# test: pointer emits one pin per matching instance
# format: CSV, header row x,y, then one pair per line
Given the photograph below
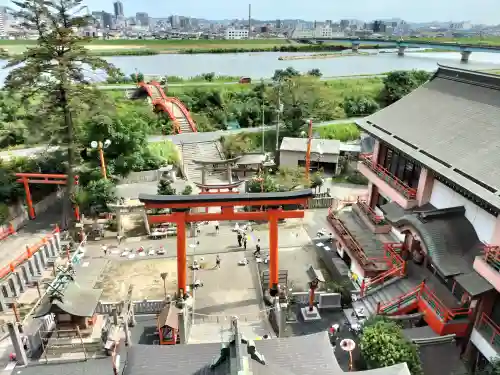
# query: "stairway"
x,y
179,116
386,292
202,151
155,93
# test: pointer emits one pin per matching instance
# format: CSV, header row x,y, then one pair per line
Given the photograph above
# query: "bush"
x,y
400,83
315,73
360,106
341,132
355,177
96,195
383,344
165,188
188,190
4,213
209,77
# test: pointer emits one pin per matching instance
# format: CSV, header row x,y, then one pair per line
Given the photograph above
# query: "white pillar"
x,y
15,338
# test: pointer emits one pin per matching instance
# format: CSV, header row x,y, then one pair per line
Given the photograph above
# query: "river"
x,y
263,64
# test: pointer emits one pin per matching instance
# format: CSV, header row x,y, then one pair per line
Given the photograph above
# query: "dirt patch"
x,y
143,274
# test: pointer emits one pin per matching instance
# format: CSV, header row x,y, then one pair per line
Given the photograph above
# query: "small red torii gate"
x,y
181,205
43,178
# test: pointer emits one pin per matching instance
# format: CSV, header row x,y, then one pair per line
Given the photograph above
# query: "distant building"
x,y
175,22
278,24
107,20
232,33
118,7
4,20
142,18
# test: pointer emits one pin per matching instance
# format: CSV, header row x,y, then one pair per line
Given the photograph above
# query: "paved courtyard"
x,y
232,290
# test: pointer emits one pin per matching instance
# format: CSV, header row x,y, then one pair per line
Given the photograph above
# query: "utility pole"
x,y
278,120
263,128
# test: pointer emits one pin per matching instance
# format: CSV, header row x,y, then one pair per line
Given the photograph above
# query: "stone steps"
x,y
204,151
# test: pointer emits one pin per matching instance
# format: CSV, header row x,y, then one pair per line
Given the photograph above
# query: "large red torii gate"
x,y
180,206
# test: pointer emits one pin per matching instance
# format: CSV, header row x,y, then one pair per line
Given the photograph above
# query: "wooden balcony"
x,y
488,265
376,223
387,183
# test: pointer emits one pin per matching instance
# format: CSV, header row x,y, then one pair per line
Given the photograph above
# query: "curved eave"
x,y
226,200
219,186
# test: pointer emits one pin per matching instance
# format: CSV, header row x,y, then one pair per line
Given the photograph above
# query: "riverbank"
x,y
321,56
156,47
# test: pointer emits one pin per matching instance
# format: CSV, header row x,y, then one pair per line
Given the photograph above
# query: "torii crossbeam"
x,y
181,205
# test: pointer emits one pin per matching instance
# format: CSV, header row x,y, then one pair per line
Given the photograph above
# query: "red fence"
x,y
490,330
7,231
30,250
492,256
388,177
341,231
396,264
370,213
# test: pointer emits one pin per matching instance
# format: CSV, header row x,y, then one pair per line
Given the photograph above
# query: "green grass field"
x,y
160,46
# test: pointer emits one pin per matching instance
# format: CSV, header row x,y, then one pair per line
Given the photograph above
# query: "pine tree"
x,y
165,188
50,76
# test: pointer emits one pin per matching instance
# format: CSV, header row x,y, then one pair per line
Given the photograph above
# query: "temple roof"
x,y
72,300
449,237
451,124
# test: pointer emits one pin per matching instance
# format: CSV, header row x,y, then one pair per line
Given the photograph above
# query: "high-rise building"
x,y
118,7
175,21
107,20
142,18
278,24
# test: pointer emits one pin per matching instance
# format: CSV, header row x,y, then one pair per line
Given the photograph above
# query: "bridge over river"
x,y
402,45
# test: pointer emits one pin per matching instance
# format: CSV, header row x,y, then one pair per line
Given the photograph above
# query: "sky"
x,y
478,11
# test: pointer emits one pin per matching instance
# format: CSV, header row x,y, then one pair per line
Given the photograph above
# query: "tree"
x,y
165,188
283,75
315,73
400,83
262,184
359,106
137,77
383,344
94,197
188,190
317,181
51,74
209,77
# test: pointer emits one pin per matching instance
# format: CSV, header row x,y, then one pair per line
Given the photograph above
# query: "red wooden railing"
x,y
492,256
444,313
353,245
396,263
399,301
396,183
184,111
7,231
490,330
30,250
370,213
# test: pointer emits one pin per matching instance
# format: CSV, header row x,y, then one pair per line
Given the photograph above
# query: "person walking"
x,y
257,248
217,261
216,227
240,238
245,241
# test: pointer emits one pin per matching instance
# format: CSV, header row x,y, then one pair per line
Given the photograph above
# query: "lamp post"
x,y
100,147
163,276
308,151
279,110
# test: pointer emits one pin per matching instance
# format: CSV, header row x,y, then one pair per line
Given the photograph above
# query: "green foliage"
x,y
341,132
317,181
315,73
359,106
400,83
95,196
137,77
188,190
209,77
383,344
4,214
493,368
355,177
165,188
285,74
165,150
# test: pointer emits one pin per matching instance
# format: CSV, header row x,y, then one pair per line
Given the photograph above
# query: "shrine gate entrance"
x,y
181,205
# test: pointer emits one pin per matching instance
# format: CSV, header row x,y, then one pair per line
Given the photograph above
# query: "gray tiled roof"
x,y
452,125
451,240
90,367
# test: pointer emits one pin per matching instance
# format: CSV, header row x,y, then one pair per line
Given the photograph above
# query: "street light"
x,y
164,275
101,146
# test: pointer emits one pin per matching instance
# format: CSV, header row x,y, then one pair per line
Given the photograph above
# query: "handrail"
x,y
370,213
397,301
396,263
342,230
424,292
161,102
184,111
30,250
6,232
492,256
400,186
486,321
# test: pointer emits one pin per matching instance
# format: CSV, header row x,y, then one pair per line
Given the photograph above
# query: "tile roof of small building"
x,y
451,124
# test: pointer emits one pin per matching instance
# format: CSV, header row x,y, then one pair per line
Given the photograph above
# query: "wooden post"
x,y
181,254
308,152
29,202
273,252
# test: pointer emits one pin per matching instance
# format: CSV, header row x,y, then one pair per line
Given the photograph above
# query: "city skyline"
x,y
422,11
